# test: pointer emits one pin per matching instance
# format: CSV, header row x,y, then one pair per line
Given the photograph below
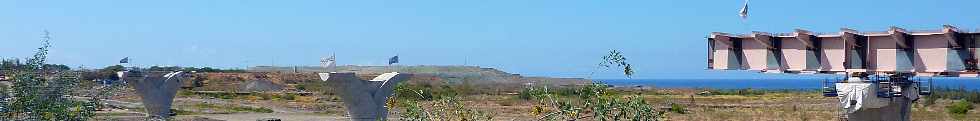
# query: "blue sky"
x,y
565,38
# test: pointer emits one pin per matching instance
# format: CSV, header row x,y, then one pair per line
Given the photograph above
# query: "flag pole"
x,y
388,67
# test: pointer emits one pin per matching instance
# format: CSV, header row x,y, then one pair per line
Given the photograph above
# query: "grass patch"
x,y
678,108
972,96
233,108
251,96
960,107
251,109
184,112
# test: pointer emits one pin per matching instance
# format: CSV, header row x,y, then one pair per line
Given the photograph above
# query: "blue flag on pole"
x,y
393,60
124,60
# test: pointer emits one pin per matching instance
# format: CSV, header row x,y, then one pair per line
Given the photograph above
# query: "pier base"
x,y
365,99
896,110
878,98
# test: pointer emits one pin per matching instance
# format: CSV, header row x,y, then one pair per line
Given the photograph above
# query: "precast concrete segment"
x,y
156,89
880,65
941,52
365,99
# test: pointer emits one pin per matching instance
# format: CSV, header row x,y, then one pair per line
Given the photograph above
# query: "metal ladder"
x,y
924,85
829,88
884,85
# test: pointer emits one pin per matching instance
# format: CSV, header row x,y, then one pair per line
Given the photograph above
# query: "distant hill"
x,y
447,74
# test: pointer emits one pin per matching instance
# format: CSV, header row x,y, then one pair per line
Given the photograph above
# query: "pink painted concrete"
x,y
833,54
721,55
755,54
882,54
931,51
794,54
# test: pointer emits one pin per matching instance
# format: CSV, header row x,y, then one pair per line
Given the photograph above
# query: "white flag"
x,y
744,13
329,63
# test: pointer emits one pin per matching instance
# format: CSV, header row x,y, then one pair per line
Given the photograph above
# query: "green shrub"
x,y
531,94
960,107
596,104
956,94
220,95
289,97
233,108
678,108
39,92
448,108
251,109
742,92
411,92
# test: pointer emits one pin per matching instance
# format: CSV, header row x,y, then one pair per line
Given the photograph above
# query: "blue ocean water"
x,y
966,83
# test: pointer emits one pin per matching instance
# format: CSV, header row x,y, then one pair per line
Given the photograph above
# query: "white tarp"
x,y
855,96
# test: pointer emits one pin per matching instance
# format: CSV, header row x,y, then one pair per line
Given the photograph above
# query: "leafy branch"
x,y
617,59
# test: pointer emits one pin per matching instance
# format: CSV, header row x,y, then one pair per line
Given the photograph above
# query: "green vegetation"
x,y
742,92
616,58
232,108
678,108
40,91
251,109
440,103
591,102
227,95
531,94
965,100
242,96
14,64
184,112
972,96
425,92
960,107
595,101
444,109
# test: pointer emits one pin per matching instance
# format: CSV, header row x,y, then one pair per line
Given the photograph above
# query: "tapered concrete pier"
x,y
156,89
866,100
365,99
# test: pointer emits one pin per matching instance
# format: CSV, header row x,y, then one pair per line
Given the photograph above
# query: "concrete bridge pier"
x,y
881,99
896,110
365,99
156,90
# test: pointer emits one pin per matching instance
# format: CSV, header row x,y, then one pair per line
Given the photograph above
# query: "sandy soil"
x,y
770,106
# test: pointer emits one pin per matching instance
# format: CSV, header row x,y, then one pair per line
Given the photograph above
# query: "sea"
x,y
939,82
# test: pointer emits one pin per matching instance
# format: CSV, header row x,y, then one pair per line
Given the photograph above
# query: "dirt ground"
x,y
795,106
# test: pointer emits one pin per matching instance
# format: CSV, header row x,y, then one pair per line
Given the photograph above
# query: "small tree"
x,y
616,58
595,103
38,93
